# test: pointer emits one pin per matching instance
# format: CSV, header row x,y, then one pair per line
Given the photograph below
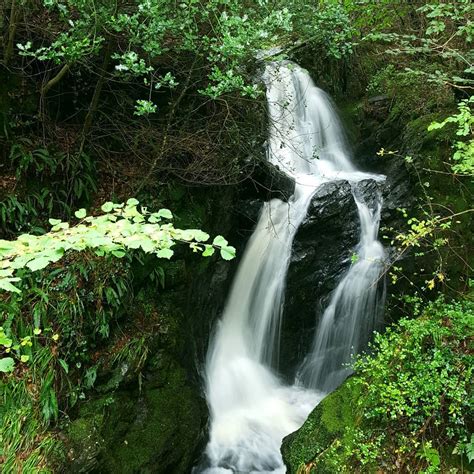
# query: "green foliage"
x,y
224,34
73,321
56,320
54,169
411,97
145,107
122,227
464,150
431,233
442,36
417,396
409,406
25,446
46,183
326,27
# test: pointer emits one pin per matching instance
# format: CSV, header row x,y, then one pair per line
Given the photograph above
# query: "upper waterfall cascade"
x,y
251,409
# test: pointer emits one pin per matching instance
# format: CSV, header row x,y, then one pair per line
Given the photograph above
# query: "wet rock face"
x,y
321,254
156,431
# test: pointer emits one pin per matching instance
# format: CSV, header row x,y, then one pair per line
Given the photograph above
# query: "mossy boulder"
x,y
84,439
153,426
157,432
304,450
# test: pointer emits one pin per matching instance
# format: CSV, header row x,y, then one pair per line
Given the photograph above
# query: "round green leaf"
x,y
166,213
38,263
7,364
108,206
81,213
165,253
228,253
219,241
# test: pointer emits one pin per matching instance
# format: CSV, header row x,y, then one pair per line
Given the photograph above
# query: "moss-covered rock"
x,y
153,428
156,430
303,451
84,439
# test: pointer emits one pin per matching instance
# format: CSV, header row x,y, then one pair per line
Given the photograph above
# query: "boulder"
x,y
321,254
305,449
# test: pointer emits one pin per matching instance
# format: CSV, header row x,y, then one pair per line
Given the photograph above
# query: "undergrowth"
x,y
415,408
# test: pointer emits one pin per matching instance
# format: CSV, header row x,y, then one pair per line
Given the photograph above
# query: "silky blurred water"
x,y
251,409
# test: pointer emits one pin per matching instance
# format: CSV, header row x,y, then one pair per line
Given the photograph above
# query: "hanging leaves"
x,y
122,227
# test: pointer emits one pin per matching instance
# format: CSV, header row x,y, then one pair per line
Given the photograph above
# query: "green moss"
x,y
84,439
331,419
352,114
338,410
417,138
155,431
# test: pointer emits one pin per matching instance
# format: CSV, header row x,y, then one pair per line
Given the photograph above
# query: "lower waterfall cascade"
x,y
251,409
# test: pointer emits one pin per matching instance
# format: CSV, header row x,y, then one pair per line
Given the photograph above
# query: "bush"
x,y
417,396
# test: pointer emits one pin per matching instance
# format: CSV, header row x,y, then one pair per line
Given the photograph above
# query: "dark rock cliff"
x,y
321,253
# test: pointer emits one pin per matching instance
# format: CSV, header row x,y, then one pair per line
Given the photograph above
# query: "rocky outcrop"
x,y
152,428
321,253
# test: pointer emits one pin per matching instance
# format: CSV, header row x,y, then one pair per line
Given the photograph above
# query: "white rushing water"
x,y
354,310
251,409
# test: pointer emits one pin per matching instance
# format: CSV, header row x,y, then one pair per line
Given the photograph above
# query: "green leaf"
x,y
208,251
64,365
5,284
25,358
56,254
60,226
108,206
4,340
81,213
132,202
147,245
166,213
470,449
118,253
6,245
7,364
165,253
54,221
38,263
228,253
199,235
219,241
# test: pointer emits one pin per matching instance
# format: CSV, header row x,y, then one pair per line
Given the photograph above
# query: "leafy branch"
x,y
122,227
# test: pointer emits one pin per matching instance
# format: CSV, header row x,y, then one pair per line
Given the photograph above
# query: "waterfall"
x,y
251,409
354,310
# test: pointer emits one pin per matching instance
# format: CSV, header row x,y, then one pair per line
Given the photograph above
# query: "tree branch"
x,y
11,33
52,82
96,96
172,113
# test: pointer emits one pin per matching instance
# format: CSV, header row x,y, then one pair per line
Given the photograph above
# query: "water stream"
x,y
251,408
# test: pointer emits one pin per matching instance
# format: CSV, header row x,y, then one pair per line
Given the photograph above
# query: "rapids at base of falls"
x,y
251,409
